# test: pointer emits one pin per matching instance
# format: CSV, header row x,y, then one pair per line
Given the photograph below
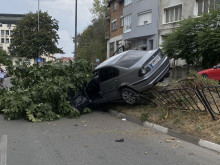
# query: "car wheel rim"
x,y
128,97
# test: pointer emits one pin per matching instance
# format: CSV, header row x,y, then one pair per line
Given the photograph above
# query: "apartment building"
x,y
141,19
7,25
116,26
173,11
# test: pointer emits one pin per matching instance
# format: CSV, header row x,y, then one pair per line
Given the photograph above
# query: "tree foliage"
x,y
196,40
4,58
28,42
91,42
41,92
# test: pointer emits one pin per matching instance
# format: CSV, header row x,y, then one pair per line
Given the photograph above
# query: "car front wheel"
x,y
129,96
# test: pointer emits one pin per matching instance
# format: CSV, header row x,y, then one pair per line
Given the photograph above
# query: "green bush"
x,y
41,92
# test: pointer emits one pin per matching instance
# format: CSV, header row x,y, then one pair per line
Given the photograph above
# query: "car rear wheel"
x,y
205,76
129,96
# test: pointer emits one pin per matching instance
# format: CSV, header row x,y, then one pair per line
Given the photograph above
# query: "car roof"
x,y
114,59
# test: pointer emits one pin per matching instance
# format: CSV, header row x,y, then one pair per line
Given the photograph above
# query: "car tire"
x,y
129,96
205,76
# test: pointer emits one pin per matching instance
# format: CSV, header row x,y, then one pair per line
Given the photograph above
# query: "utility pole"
x,y
38,16
75,30
38,23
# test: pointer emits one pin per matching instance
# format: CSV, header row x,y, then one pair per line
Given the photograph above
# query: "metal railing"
x,y
204,99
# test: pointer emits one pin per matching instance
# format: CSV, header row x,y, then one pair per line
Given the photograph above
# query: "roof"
x,y
11,18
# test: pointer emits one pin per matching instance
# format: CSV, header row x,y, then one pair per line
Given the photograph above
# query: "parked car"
x,y
123,77
212,73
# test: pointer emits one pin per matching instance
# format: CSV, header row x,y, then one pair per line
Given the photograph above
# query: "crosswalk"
x,y
3,150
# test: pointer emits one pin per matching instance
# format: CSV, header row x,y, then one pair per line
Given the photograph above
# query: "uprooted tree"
x,y
41,92
196,40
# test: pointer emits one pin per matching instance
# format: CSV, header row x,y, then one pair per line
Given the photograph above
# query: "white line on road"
x,y
3,150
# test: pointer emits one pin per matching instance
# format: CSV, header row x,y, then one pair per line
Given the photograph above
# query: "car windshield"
x,y
130,59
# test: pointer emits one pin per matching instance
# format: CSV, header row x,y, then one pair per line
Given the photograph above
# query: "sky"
x,y
61,10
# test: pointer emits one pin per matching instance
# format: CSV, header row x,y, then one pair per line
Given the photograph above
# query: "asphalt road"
x,y
90,140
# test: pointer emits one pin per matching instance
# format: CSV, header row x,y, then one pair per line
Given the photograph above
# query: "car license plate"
x,y
155,61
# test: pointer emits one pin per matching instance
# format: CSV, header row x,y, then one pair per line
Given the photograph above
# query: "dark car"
x,y
212,73
123,77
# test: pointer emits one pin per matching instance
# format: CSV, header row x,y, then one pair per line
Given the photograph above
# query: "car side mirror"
x,y
214,67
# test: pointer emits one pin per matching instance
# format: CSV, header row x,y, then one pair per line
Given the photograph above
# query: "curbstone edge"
x,y
170,132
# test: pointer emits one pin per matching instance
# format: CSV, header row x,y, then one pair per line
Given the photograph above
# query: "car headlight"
x,y
143,71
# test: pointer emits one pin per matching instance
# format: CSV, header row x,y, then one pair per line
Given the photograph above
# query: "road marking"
x,y
3,150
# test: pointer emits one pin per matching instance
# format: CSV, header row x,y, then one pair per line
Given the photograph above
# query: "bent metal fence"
x,y
205,99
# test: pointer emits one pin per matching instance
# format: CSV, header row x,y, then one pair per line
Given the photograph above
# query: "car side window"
x,y
218,66
108,73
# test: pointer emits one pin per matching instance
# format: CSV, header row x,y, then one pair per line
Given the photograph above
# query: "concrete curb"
x,y
173,133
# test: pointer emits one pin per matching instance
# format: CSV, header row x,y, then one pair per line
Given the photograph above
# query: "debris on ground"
x,y
120,140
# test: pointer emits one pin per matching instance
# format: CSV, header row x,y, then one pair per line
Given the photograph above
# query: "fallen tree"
x,y
41,92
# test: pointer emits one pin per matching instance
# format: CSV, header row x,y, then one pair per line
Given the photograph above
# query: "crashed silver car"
x,y
123,77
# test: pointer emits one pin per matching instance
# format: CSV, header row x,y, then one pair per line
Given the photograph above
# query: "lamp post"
x,y
38,25
75,30
38,19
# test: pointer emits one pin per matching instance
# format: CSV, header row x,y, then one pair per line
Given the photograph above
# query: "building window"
x,y
7,32
7,40
0,24
127,2
9,25
1,47
112,47
204,5
144,18
11,32
151,44
122,21
2,40
115,6
114,25
217,4
127,23
2,32
173,14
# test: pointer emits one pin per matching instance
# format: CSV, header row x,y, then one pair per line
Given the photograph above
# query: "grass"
x,y
195,123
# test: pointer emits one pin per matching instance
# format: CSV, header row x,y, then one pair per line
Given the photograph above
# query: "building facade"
x,y
8,23
116,26
173,11
141,24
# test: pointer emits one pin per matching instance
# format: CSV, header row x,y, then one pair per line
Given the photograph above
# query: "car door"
x,y
109,83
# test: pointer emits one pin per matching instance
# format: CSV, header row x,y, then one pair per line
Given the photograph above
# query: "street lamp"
x,y
38,23
75,30
38,15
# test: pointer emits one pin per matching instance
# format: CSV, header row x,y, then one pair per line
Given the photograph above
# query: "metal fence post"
x,y
206,104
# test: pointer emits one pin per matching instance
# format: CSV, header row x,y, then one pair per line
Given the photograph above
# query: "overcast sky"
x,y
61,10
